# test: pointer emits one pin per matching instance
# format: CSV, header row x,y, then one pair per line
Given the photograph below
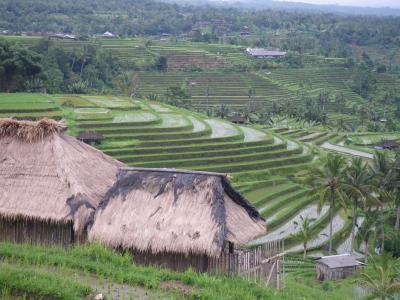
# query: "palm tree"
x,y
328,182
367,230
381,170
395,175
357,187
383,281
305,232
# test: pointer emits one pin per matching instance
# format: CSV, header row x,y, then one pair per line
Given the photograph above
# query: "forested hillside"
x,y
127,18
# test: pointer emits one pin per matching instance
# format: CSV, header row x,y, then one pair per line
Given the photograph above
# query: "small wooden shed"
x,y
90,137
336,266
238,119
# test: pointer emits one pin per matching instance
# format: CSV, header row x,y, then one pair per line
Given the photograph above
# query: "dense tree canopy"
x,y
17,64
147,17
55,69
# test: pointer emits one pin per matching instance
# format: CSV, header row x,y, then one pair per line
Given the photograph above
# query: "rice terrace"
x,y
162,150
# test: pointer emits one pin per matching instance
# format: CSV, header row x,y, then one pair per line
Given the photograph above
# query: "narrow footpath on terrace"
x,y
345,150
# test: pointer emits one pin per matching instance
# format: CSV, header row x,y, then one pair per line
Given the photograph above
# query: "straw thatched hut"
x,y
176,219
50,183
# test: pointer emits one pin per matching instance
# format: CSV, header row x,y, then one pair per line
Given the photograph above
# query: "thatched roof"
x,y
166,210
48,175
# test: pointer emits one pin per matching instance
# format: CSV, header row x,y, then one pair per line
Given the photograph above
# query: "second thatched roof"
x,y
160,210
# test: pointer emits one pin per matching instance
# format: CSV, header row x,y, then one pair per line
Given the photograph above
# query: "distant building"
x,y
218,22
387,145
336,266
245,33
264,53
165,37
62,36
90,137
70,36
108,35
238,120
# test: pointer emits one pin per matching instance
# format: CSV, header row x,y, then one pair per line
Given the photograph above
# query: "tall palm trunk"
x,y
397,224
382,221
366,240
331,208
82,66
353,228
305,249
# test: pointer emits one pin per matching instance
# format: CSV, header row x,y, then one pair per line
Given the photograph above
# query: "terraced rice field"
x,y
28,106
317,78
151,134
208,88
136,52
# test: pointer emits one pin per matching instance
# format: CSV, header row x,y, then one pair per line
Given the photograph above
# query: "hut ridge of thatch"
x,y
30,131
155,210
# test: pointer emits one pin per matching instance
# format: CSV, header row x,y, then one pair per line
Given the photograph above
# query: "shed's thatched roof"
x,y
166,210
48,175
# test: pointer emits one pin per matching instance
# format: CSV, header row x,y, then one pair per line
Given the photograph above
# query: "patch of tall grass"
x,y
22,283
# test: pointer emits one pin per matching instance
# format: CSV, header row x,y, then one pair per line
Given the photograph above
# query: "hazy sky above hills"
x,y
364,3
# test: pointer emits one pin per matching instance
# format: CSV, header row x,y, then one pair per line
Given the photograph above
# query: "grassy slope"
x,y
99,261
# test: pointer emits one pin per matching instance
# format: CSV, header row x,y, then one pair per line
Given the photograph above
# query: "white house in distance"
x,y
265,53
108,35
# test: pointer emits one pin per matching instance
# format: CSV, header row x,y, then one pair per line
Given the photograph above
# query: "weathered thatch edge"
x,y
30,131
14,217
239,199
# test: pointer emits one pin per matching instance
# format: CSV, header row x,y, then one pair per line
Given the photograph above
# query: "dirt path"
x,y
341,149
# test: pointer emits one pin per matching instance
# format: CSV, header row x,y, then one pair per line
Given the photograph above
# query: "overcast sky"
x,y
371,3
